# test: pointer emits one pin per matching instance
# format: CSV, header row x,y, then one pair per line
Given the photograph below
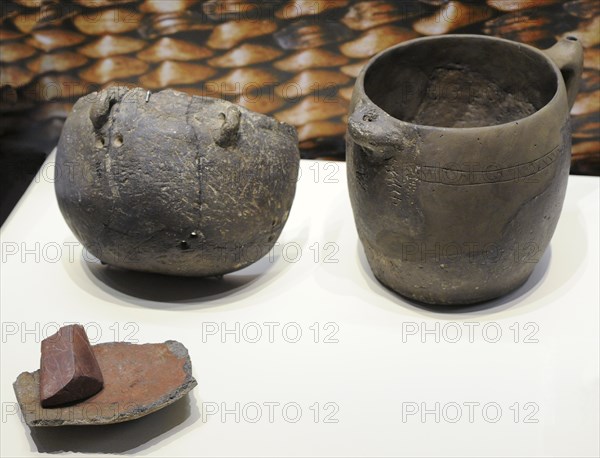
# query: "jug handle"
x,y
567,54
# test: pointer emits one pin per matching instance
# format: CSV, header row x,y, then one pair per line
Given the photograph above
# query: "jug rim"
x,y
360,81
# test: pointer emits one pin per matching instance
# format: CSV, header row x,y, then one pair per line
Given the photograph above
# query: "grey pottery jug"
x,y
172,183
458,153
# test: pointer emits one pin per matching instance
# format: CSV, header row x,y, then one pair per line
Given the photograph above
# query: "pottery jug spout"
x,y
567,54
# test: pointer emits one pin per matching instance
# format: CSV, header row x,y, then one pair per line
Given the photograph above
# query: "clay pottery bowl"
x,y
172,183
458,154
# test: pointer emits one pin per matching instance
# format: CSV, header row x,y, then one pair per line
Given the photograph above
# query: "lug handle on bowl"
x,y
227,134
100,109
567,54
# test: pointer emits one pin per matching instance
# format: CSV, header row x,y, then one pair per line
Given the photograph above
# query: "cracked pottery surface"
x,y
172,183
458,162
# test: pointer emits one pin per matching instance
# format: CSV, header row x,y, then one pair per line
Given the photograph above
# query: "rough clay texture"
x,y
458,216
69,371
138,380
459,97
172,183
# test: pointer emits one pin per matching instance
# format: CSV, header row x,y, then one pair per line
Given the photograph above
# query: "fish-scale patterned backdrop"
x,y
293,59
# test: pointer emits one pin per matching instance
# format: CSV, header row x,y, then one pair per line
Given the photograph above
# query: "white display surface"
x,y
371,374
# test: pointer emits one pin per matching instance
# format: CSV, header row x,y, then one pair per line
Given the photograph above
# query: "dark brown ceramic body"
x,y
460,215
174,184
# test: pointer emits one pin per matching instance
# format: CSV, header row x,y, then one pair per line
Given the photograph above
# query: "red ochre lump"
x,y
69,371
